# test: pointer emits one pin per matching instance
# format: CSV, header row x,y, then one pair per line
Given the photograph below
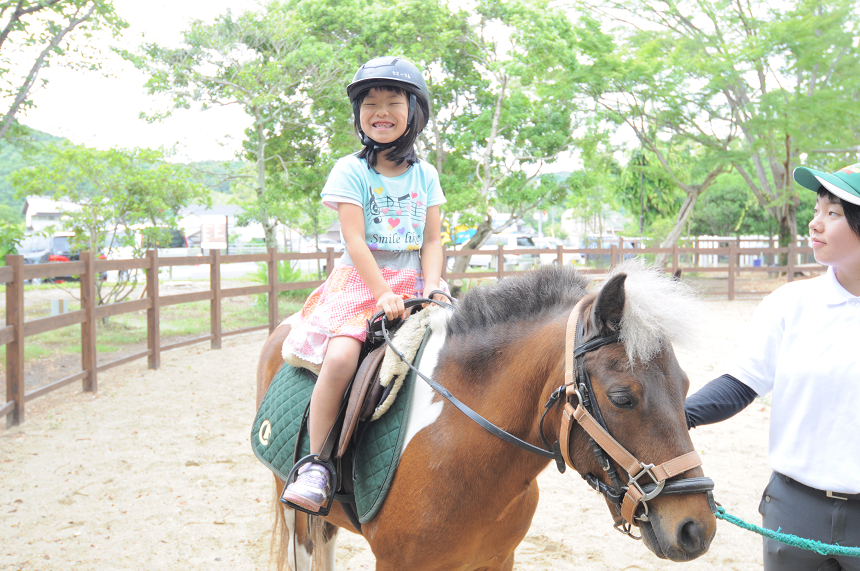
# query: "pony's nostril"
x,y
691,537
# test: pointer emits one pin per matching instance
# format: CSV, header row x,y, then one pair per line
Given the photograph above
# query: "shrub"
x,y
287,273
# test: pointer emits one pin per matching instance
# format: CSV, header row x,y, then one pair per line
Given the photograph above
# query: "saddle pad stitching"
x,y
284,414
390,468
284,405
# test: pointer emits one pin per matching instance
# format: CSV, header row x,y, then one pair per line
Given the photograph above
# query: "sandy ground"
x,y
155,472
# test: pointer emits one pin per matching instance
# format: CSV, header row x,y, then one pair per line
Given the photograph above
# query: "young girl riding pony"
x,y
387,202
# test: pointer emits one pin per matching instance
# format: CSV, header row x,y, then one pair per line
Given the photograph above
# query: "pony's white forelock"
x,y
659,311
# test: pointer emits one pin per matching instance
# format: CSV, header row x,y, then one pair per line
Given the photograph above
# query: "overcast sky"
x,y
102,111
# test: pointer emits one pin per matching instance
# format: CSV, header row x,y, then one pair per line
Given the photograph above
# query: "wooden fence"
x,y
15,273
680,258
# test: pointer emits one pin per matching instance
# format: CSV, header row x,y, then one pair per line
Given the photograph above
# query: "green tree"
x,y
647,193
497,115
753,84
293,195
11,236
24,148
42,32
731,209
497,82
430,35
512,118
633,84
263,62
593,194
116,193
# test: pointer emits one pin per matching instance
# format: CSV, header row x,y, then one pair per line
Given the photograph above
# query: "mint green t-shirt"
x,y
395,208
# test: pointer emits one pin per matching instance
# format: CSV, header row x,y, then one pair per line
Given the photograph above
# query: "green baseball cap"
x,y
844,183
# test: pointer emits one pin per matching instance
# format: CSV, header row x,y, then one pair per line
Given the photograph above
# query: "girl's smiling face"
x,y
384,114
833,241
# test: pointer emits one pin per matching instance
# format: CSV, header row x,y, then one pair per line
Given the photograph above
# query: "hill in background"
x,y
29,149
19,152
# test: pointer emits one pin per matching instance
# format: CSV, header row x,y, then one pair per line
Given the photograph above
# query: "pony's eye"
x,y
621,401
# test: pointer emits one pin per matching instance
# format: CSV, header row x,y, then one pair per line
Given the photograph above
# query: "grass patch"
x,y
32,352
47,286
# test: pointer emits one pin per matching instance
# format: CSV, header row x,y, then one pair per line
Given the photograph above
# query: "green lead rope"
x,y
788,539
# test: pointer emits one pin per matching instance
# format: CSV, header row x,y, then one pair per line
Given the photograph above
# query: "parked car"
x,y
509,242
326,243
549,243
42,249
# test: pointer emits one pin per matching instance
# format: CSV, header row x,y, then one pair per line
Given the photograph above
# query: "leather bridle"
x,y
626,498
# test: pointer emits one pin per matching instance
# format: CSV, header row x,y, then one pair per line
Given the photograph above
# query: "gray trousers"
x,y
799,510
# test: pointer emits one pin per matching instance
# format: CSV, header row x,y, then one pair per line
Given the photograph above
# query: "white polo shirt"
x,y
804,345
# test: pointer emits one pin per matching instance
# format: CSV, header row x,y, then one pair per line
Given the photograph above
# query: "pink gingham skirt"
x,y
342,306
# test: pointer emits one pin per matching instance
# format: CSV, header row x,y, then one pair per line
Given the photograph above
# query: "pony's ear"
x,y
609,306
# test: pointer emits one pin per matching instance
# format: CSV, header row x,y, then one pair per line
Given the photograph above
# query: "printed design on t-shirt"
x,y
372,210
393,221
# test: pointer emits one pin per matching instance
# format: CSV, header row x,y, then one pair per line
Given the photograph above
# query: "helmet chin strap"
x,y
368,142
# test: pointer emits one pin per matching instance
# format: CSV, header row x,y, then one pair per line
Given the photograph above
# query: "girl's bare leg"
x,y
314,481
338,368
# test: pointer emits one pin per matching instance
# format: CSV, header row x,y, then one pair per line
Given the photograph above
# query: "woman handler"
x,y
804,347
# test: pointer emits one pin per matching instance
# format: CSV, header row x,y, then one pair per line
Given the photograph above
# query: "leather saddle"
x,y
362,398
365,392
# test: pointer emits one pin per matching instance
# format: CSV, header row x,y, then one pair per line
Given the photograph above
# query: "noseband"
x,y
638,491
577,383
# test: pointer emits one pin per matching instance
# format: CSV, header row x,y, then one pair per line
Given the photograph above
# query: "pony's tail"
x,y
310,532
279,546
322,537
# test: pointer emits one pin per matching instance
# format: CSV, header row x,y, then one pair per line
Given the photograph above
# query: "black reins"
x,y
477,418
582,388
550,451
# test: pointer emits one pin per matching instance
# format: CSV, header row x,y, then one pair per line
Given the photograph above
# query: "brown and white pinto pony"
x,y
463,499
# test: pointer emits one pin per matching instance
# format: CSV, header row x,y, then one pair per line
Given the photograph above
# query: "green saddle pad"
x,y
278,425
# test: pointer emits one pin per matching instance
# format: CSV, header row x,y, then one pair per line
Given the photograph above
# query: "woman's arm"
x,y
720,399
431,251
351,219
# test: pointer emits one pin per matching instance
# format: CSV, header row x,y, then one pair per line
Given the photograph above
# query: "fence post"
x,y
88,327
791,256
444,262
273,288
696,259
500,262
559,255
731,272
769,257
329,261
153,314
15,349
215,304
675,258
613,256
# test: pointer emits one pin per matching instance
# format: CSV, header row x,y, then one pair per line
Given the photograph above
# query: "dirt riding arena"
x,y
156,472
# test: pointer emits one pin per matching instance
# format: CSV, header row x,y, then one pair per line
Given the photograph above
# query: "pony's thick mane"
x,y
517,298
658,311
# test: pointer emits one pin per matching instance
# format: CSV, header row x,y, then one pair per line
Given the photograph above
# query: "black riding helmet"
x,y
391,72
